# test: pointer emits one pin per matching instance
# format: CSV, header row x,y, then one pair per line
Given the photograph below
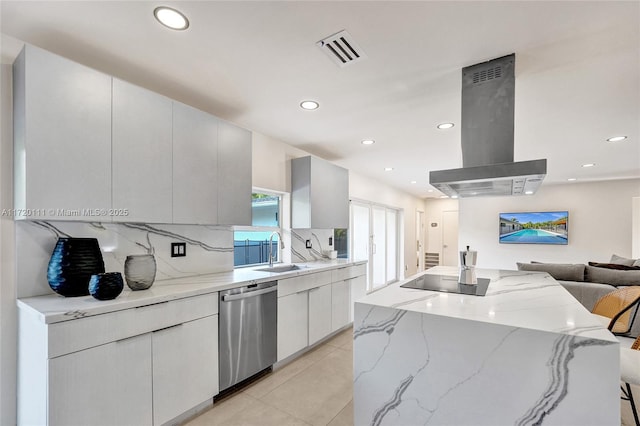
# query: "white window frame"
x,y
283,217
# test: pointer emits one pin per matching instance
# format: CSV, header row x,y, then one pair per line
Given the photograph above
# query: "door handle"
x,y
240,296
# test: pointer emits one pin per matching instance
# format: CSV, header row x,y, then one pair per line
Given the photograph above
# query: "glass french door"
x,y
374,230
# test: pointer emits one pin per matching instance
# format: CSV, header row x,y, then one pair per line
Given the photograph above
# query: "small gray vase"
x,y
140,271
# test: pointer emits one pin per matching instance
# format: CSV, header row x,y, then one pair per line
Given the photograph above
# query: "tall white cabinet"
x,y
62,137
141,154
195,166
319,194
234,175
90,147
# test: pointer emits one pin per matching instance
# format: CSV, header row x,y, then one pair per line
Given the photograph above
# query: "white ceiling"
x,y
577,73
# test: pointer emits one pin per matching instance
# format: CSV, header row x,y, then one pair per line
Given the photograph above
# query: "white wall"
x,y
434,208
8,311
600,223
272,163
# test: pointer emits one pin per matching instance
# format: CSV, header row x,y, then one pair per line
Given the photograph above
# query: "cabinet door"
x,y
195,166
339,304
142,178
319,313
234,175
62,133
329,195
185,367
358,291
293,316
105,385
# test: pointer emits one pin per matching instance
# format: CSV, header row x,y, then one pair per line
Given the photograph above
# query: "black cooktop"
x,y
448,284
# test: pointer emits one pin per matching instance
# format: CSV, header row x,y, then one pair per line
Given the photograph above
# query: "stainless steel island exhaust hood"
x,y
488,169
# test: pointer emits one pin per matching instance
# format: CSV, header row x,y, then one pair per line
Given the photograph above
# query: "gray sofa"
x,y
588,283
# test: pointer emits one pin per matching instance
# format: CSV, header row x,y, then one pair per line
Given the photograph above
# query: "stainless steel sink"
x,y
282,268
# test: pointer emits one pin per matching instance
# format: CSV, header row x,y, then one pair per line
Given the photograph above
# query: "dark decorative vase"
x,y
72,263
106,286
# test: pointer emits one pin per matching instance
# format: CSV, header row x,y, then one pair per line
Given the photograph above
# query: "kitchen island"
x,y
526,353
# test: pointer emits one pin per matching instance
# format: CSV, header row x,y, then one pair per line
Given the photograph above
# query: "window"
x,y
251,244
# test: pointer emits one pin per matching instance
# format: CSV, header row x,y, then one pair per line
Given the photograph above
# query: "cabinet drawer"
x,y
348,272
305,282
70,336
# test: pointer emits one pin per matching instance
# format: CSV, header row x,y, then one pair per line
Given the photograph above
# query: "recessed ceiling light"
x,y
171,18
444,196
368,142
445,126
454,196
528,192
429,190
571,179
589,165
616,139
309,105
388,169
413,181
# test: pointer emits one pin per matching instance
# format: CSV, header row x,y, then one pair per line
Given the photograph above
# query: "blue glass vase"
x,y
72,263
106,286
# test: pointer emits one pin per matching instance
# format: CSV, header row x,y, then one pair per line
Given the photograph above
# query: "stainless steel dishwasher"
x,y
247,332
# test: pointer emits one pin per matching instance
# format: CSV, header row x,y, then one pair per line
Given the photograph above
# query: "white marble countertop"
x,y
55,308
530,300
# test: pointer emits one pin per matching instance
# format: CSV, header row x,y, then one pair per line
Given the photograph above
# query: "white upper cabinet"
x,y
142,154
62,137
195,166
319,194
90,147
234,175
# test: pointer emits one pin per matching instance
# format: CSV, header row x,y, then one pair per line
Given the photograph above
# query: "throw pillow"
x,y
636,263
612,276
615,266
621,260
559,271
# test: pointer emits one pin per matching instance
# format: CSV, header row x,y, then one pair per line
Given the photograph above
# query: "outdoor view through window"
x,y
251,247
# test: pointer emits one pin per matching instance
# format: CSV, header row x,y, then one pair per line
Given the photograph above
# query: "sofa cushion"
x,y
621,260
559,271
612,276
615,266
636,263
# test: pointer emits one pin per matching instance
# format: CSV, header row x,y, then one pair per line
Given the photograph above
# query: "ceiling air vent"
x,y
341,48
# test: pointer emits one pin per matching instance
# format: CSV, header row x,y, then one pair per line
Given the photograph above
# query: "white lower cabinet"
x,y
140,366
339,304
293,317
319,313
105,385
185,367
312,306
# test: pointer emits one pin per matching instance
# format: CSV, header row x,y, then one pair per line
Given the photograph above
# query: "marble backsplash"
x,y
319,243
209,248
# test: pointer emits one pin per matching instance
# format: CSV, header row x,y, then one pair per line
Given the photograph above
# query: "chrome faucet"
x,y
271,246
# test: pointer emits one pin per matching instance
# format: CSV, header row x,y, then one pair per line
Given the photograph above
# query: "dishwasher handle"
x,y
240,296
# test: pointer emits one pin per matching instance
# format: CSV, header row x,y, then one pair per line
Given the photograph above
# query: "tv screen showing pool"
x,y
534,228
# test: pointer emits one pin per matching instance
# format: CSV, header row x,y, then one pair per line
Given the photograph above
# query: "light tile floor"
x,y
315,389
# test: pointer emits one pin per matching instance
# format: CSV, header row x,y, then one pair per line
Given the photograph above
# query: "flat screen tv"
x,y
534,228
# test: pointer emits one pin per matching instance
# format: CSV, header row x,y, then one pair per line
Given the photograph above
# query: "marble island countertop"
x,y
530,300
55,308
526,353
